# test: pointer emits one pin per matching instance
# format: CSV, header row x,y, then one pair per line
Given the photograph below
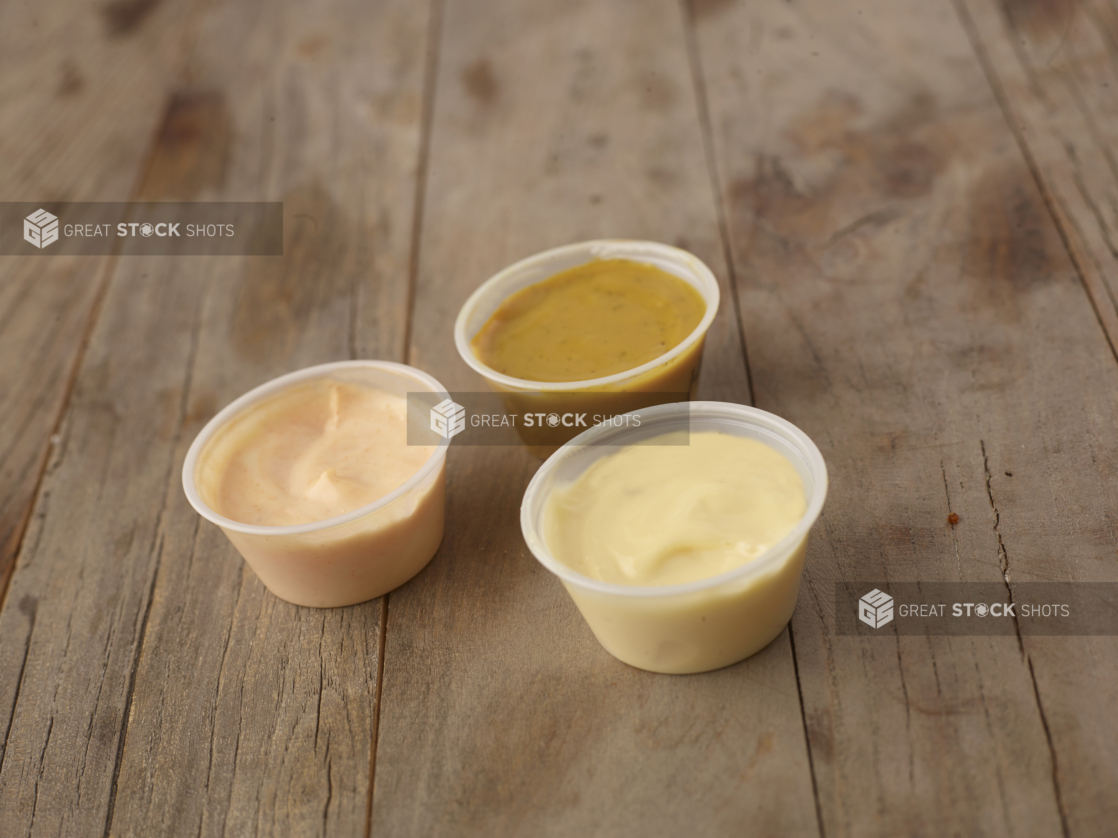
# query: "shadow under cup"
x,y
672,377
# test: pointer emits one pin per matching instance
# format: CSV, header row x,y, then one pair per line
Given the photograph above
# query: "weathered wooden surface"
x,y
1054,68
501,713
77,121
907,301
162,690
917,203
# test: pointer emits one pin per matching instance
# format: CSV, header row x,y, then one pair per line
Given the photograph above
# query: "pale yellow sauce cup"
x,y
701,625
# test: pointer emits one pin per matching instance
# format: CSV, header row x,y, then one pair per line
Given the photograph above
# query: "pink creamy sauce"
x,y
315,451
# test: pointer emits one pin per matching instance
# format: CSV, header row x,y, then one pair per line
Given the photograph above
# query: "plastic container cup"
x,y
701,625
353,557
671,377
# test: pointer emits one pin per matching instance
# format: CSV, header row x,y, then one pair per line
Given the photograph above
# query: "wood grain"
x,y
1054,67
162,690
291,690
917,200
556,122
909,302
77,117
77,107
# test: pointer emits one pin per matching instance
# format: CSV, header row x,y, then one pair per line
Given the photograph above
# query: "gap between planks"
x,y
430,83
695,65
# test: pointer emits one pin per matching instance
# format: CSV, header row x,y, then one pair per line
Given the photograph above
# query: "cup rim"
x,y
702,273
746,416
274,386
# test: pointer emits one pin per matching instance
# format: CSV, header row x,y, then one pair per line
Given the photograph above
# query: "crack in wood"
x,y
875,747
123,735
1021,644
6,574
427,119
30,606
220,680
907,713
382,633
39,779
1051,751
997,763
321,683
807,735
1003,554
236,755
156,549
329,786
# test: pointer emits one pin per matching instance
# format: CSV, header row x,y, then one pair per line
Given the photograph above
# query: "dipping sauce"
x,y
667,514
311,478
315,451
681,558
592,321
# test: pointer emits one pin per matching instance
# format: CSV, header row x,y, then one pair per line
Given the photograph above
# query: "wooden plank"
x,y
556,122
75,118
162,689
80,91
45,306
909,303
1054,68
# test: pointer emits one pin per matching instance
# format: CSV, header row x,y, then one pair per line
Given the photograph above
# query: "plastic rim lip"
x,y
274,386
702,273
725,410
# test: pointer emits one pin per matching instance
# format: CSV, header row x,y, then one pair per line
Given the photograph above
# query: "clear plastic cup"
x,y
672,377
353,557
701,625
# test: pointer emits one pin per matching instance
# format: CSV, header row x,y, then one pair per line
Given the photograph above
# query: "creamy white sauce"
x,y
656,514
